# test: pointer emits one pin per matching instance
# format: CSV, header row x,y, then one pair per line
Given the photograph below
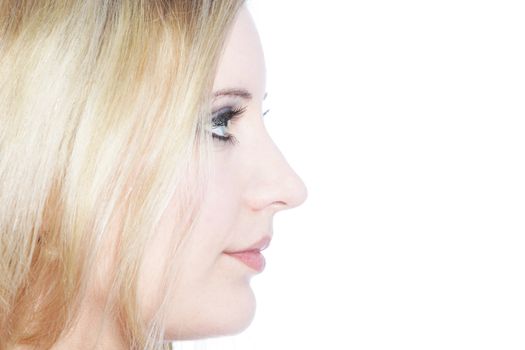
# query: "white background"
x,y
406,121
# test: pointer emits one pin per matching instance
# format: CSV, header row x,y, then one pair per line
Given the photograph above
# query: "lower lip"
x,y
253,259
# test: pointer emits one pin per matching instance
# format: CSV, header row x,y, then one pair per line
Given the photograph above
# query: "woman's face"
x,y
252,182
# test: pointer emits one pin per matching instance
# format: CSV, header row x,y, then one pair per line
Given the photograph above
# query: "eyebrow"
x,y
237,92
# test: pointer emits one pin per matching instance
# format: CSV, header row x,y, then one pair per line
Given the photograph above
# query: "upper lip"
x,y
260,245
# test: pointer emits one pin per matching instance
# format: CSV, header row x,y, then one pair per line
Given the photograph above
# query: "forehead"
x,y
242,62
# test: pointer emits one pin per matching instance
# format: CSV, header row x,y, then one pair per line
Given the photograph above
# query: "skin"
x,y
252,183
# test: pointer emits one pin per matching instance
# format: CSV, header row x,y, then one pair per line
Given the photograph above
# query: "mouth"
x,y
251,258
251,255
260,245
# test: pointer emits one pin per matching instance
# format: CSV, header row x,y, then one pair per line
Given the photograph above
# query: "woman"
x,y
134,167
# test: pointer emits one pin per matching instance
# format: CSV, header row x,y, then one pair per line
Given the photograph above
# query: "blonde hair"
x,y
103,112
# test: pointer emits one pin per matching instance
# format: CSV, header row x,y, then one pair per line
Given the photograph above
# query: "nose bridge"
x,y
274,182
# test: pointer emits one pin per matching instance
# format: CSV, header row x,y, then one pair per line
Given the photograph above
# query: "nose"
x,y
273,183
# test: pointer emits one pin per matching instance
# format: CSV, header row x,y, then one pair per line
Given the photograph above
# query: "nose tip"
x,y
297,192
288,189
304,194
281,189
272,182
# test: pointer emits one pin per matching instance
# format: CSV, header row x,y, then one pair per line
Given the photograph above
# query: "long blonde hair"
x,y
103,110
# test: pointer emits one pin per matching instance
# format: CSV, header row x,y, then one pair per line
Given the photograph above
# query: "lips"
x,y
251,255
253,259
260,245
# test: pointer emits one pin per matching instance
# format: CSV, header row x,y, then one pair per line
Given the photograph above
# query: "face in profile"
x,y
252,182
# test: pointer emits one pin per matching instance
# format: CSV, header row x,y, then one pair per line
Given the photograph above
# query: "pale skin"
x,y
252,182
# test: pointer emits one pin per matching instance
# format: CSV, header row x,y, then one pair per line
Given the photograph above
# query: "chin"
x,y
229,316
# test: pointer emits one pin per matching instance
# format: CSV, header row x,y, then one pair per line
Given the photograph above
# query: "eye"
x,y
220,120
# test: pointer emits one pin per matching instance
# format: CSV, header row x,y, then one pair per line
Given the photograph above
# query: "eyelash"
x,y
222,119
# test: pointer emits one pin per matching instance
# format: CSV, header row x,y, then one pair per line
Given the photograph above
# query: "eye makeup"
x,y
220,121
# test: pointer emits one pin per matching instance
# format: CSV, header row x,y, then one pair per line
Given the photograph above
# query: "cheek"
x,y
213,296
221,205
204,273
220,211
